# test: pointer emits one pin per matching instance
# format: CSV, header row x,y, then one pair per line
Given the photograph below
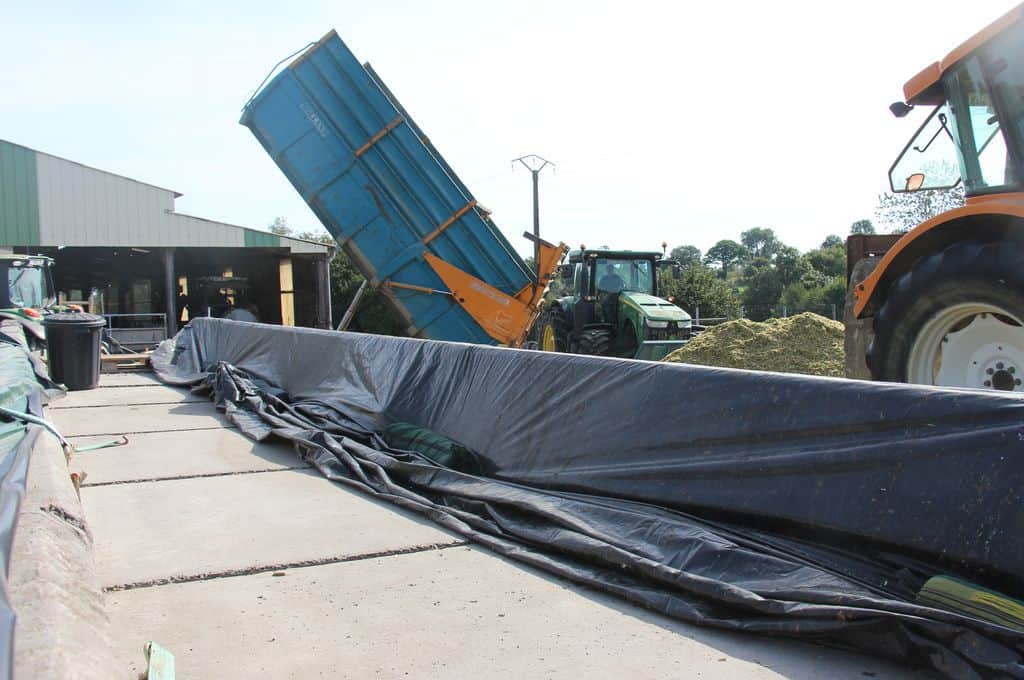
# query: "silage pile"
x,y
806,343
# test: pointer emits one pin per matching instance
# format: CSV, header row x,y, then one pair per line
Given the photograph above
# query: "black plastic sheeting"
x,y
803,507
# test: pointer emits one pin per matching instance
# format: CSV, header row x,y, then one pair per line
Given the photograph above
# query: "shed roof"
x,y
46,200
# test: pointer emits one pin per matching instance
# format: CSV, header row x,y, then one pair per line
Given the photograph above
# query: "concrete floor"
x,y
245,563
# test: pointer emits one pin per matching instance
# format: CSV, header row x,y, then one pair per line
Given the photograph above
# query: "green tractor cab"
x,y
612,308
28,294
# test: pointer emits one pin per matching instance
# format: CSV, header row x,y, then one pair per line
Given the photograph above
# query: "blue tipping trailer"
x,y
393,204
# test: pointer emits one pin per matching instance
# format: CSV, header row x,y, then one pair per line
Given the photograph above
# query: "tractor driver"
x,y
611,284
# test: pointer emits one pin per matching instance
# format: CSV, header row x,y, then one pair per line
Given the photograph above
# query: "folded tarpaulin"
x,y
792,505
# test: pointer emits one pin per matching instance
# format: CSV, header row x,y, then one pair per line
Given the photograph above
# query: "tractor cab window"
x,y
617,276
986,96
983,149
929,161
27,285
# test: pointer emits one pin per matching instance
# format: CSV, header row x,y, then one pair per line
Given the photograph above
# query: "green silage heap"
x,y
806,343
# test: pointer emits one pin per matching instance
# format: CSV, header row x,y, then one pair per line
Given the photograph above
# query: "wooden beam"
x,y
287,292
322,288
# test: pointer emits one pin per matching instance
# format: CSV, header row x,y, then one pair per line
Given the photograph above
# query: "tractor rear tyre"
x,y
596,342
955,319
554,331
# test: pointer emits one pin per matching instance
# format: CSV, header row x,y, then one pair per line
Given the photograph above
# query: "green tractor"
x,y
28,294
612,308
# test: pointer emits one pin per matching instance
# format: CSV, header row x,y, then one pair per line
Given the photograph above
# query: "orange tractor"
x,y
944,304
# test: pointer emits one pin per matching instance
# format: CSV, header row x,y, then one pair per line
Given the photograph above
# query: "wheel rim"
x,y
969,345
547,341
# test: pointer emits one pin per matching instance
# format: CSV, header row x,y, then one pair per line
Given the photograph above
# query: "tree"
x,y
904,211
762,287
829,260
686,255
374,314
725,254
760,241
696,287
862,227
280,226
821,298
790,265
319,236
832,240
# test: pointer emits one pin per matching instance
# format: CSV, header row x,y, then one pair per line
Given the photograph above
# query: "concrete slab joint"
x,y
228,552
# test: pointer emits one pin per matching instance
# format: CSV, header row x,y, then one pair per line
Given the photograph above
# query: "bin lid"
x,y
80,319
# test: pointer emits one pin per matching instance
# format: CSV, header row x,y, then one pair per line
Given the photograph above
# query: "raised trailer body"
x,y
392,202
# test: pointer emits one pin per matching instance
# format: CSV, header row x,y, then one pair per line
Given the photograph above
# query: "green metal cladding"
x,y
260,239
19,196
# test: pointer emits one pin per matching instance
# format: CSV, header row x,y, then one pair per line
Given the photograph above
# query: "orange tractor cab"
x,y
946,301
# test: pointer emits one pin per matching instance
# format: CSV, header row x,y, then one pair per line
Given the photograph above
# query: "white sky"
x,y
676,121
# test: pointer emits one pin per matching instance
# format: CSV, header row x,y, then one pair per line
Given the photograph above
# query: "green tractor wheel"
x,y
554,331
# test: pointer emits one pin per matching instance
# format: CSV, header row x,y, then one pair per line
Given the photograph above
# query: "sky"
x,y
682,122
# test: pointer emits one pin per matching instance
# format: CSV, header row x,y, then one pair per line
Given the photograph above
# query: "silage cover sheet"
x,y
779,504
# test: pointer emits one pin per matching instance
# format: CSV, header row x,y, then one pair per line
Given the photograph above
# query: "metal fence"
x,y
136,331
759,312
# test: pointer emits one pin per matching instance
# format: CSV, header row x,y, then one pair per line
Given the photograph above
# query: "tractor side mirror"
x,y
915,181
900,109
566,271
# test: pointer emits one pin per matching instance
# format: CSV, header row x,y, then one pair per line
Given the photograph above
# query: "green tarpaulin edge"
x,y
17,382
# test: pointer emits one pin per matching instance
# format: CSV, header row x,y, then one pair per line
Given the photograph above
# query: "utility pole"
x,y
535,164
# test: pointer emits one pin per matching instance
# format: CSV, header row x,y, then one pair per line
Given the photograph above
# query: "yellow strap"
x,y
449,222
380,135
